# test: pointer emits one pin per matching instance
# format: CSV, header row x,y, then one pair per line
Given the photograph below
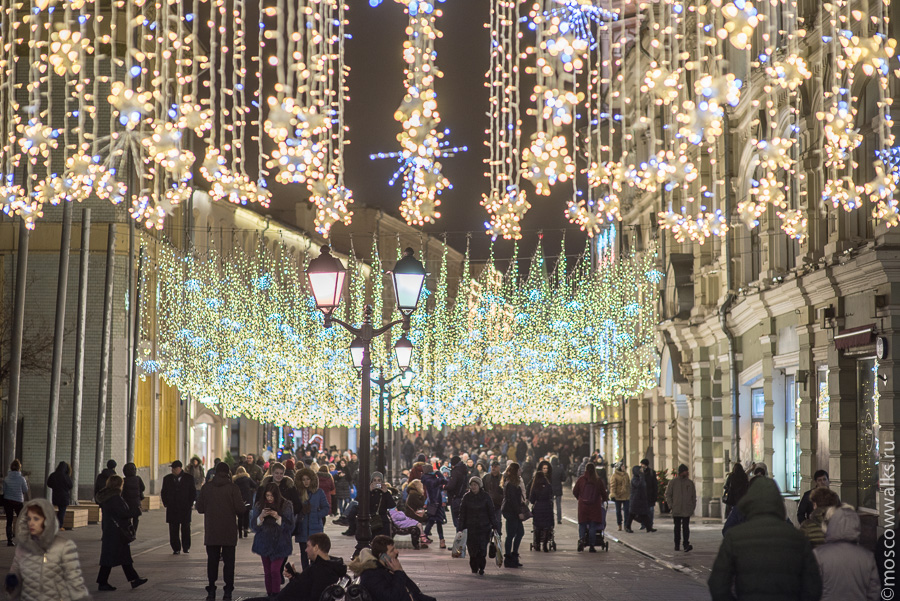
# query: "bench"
x,y
93,511
76,517
151,502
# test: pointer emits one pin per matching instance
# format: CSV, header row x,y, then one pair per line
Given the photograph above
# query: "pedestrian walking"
x,y
735,488
456,487
15,489
342,486
478,519
514,512
681,495
133,492
246,485
46,564
494,487
652,494
557,477
764,557
103,476
541,497
434,505
848,571
115,542
639,509
60,483
326,485
620,492
195,470
178,495
220,502
313,510
591,494
272,519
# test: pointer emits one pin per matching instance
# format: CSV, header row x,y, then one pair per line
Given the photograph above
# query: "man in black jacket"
x,y
652,492
456,487
381,574
805,508
493,488
309,584
103,476
178,495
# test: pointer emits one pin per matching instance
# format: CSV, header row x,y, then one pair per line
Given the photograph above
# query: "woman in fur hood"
x,y
46,564
314,509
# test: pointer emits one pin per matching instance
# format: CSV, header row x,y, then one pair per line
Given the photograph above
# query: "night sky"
x,y
376,89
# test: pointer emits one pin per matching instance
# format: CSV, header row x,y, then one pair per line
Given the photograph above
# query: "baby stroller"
x,y
601,538
543,539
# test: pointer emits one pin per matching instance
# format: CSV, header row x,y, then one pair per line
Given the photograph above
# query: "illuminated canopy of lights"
x,y
241,335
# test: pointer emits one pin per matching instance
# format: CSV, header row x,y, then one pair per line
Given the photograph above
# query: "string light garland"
x,y
242,336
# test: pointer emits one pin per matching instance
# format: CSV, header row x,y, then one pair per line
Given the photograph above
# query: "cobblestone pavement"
x,y
638,566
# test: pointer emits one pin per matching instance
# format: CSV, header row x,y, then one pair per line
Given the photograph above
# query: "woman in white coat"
x,y
46,564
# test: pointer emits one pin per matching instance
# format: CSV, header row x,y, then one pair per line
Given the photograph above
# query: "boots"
x,y
443,544
580,545
516,562
545,547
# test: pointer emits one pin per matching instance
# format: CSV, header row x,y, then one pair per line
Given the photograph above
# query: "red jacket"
x,y
326,483
590,500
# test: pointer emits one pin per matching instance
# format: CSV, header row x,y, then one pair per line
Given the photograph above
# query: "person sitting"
x,y
403,524
381,574
323,571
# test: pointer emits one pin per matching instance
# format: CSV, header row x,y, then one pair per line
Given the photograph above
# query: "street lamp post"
x,y
407,375
326,276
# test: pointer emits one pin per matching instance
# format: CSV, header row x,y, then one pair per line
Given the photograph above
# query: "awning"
x,y
853,337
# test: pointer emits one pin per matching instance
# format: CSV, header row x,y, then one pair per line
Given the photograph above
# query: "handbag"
x,y
376,522
127,531
432,510
526,513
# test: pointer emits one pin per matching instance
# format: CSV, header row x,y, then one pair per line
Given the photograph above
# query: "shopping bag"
x,y
496,543
459,544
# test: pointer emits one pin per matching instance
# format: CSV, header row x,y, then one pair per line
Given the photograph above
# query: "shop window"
x,y
757,413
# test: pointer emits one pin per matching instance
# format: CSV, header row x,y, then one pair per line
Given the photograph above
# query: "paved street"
x,y
625,572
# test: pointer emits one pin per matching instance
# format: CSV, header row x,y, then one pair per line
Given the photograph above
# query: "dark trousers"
x,y
214,553
61,514
12,509
499,516
515,530
243,522
184,544
454,511
477,544
558,509
682,525
620,507
134,523
105,571
435,521
642,518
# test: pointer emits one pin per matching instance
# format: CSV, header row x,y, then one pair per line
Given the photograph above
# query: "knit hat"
x,y
427,469
177,463
645,462
476,480
422,458
682,468
445,469
222,468
289,464
377,475
454,460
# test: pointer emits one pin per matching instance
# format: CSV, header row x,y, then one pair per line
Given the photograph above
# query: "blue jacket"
x,y
313,522
15,487
272,540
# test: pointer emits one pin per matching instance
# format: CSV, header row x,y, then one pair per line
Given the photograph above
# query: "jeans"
x,y
435,521
342,505
213,554
185,543
620,507
61,514
304,558
515,530
105,571
559,509
12,509
682,525
588,529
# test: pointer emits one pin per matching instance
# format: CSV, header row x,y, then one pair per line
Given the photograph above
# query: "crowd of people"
x,y
487,484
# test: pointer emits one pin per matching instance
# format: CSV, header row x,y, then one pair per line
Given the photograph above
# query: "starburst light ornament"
x,y
65,48
741,19
547,161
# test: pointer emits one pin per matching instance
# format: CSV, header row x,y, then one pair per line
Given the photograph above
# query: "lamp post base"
x,y
363,534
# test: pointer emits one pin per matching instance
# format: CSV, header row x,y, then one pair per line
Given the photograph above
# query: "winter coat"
x,y
812,527
477,515
220,501
521,451
557,477
735,489
100,480
47,566
132,488
273,539
114,549
288,489
246,485
15,487
493,488
342,485
804,507
848,571
254,471
541,497
401,520
527,473
312,582
178,496
591,496
513,500
417,471
681,495
458,483
765,558
326,485
620,487
652,487
198,474
312,522
60,482
640,504
382,584
434,484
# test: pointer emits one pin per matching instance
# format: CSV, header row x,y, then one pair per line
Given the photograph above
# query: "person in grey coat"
x,y
15,487
848,571
681,495
220,501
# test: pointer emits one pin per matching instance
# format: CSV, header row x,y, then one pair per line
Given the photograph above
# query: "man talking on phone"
x,y
381,574
323,571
